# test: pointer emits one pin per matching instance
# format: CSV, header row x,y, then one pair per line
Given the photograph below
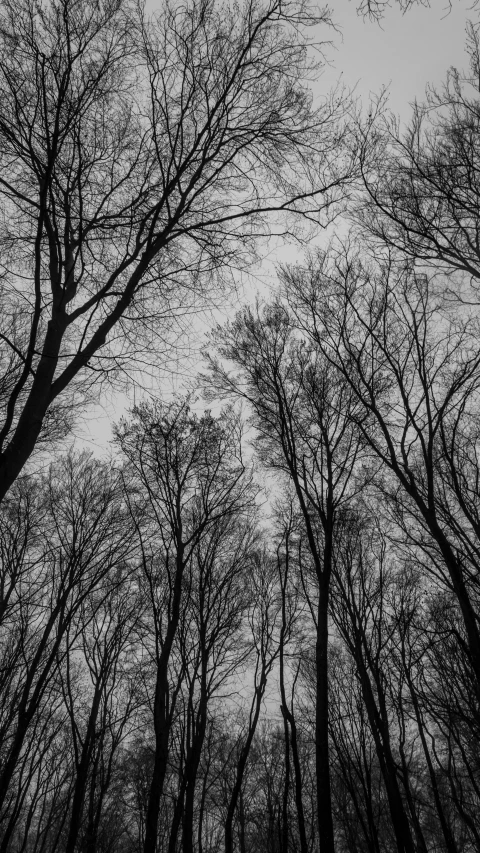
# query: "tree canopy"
x,y
255,626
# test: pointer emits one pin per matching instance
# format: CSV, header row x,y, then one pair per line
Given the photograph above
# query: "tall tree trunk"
x,y
322,758
286,789
161,715
323,567
450,844
160,763
82,777
379,729
241,765
176,818
289,721
298,778
191,771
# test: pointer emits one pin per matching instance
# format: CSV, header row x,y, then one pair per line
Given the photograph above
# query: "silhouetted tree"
x,y
139,156
191,476
302,414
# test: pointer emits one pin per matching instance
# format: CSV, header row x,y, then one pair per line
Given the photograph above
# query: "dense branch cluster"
x,y
256,627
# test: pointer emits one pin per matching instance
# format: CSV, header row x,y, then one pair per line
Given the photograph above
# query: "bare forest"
x,y
253,626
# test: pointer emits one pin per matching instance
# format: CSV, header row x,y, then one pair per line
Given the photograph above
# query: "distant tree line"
x,y
257,627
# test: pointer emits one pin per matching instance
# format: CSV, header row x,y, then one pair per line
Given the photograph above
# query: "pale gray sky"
x,y
405,51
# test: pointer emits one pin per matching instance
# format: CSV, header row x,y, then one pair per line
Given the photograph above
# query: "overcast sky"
x,y
405,52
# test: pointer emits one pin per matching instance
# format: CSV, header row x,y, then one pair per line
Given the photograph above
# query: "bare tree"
x,y
80,536
415,371
360,612
361,807
422,190
138,156
290,616
98,688
302,414
212,646
264,620
419,657
192,476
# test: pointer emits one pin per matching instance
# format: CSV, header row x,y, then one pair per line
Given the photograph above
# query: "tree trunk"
x,y
191,772
161,716
379,729
241,765
176,818
289,720
322,758
298,779
162,732
82,777
450,844
286,789
30,422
